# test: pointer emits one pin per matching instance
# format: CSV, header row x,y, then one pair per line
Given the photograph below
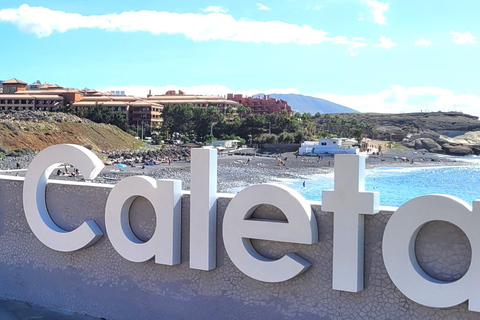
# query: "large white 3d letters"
x,y
203,209
165,197
401,262
238,229
349,202
35,206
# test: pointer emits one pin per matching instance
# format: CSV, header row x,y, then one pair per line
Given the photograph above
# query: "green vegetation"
x,y
19,152
345,126
157,139
399,147
190,122
100,114
206,124
209,124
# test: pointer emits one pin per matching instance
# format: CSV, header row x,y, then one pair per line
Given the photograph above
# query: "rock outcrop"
x,y
428,144
466,144
457,150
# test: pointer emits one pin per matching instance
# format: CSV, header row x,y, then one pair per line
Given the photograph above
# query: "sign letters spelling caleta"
x,y
349,202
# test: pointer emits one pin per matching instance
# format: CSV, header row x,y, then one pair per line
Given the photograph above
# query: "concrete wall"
x,y
99,282
280,147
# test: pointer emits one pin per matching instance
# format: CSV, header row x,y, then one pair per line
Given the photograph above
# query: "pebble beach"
x,y
235,171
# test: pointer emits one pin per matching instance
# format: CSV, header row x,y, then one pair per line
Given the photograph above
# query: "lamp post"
x,y
250,136
269,127
143,122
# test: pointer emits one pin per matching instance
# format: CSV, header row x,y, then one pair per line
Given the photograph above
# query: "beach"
x,y
247,168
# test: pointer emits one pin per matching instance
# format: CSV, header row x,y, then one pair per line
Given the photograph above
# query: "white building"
x,y
329,146
226,143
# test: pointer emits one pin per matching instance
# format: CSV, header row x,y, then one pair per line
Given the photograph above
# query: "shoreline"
x,y
236,171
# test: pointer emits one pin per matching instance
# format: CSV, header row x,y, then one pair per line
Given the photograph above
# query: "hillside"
x,y
386,124
452,133
37,130
302,104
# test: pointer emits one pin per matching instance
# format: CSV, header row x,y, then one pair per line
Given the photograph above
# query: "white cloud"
x,y
377,9
317,7
386,43
462,38
215,9
422,42
217,90
198,27
399,99
262,7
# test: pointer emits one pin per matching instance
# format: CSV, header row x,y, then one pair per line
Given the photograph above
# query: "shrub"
x,y
267,138
157,139
286,137
209,138
19,152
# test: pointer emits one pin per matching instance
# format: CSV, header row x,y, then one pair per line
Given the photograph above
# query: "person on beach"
x,y
304,183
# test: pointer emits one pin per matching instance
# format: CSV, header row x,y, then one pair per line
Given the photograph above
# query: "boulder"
x,y
457,150
469,138
476,149
426,134
428,144
409,144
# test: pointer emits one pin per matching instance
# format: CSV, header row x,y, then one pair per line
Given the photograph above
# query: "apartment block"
x,y
266,104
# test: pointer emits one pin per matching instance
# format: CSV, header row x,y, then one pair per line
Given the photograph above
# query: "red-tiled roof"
x,y
14,81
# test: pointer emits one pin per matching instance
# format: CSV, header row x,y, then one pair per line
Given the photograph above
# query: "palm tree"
x,y
243,111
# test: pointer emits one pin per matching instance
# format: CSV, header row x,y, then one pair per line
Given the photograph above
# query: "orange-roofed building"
x,y
13,85
262,105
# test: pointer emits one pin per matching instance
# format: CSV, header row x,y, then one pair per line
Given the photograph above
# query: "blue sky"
x,y
383,56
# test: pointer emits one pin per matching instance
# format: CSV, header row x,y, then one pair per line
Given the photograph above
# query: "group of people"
x,y
74,173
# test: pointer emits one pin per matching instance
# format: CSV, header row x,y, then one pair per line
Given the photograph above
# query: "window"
x,y
324,143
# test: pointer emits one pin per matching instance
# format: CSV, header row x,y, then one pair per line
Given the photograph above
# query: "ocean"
x,y
398,185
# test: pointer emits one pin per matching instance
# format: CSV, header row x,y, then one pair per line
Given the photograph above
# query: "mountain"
x,y
301,103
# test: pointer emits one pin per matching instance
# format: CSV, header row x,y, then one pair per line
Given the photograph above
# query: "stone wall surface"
x,y
99,282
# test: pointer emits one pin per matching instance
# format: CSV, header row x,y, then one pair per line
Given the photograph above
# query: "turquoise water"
x,y
398,185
